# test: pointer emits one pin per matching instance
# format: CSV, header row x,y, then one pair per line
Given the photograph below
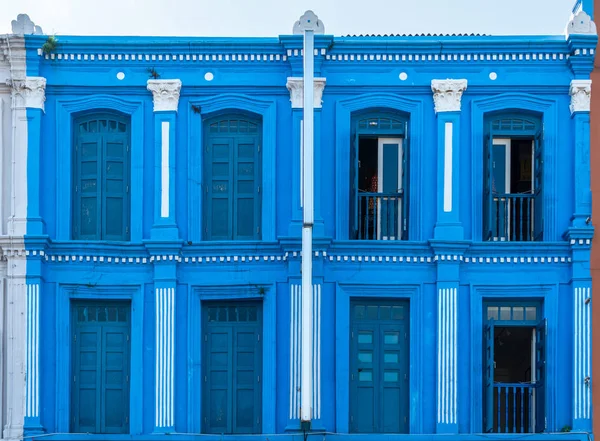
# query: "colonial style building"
x,y
153,252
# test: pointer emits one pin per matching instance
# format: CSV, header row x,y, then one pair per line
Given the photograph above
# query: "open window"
x,y
513,172
379,177
514,369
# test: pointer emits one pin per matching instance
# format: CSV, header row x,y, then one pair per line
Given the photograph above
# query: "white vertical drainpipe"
x,y
308,25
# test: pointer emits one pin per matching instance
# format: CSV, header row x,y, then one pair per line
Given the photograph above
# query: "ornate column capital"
x,y
296,87
165,94
309,22
30,92
447,94
581,92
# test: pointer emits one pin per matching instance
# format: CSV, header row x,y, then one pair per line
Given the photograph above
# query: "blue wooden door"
x,y
101,178
540,375
379,367
232,180
538,170
100,366
232,365
488,376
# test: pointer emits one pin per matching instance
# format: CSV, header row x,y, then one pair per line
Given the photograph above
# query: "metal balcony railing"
x,y
514,407
512,217
381,216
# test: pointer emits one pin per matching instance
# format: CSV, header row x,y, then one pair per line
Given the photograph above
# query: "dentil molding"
x,y
296,87
165,94
447,94
581,92
30,92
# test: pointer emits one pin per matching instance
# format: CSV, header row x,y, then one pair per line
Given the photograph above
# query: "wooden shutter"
x,y
87,203
488,377
246,187
354,172
115,186
219,188
540,376
538,205
488,197
405,182
87,378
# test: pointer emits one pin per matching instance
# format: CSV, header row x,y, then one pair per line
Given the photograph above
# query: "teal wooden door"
x,y
379,367
100,366
232,180
232,365
488,376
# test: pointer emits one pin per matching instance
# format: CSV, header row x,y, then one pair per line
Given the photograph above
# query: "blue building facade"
x,y
451,240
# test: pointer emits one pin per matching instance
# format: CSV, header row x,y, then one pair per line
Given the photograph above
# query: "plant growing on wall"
x,y
153,73
50,45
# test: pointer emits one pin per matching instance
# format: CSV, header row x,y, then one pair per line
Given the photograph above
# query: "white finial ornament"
x,y
581,24
309,22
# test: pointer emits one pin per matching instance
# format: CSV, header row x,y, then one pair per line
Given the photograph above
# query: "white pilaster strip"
x,y
448,167
165,357
296,350
32,377
447,356
582,354
164,170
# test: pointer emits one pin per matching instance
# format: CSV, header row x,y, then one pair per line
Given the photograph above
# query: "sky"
x,y
275,17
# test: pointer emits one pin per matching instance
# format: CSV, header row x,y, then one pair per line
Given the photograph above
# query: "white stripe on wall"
x,y
32,376
296,350
582,356
164,170
448,167
165,356
447,356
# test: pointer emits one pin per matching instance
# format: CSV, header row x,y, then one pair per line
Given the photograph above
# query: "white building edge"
x,y
14,95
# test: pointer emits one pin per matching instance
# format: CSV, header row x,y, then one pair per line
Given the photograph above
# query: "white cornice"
x,y
295,85
447,94
165,94
580,91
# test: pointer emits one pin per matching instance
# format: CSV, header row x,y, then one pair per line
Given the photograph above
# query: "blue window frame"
x,y
100,367
513,171
101,179
379,176
232,178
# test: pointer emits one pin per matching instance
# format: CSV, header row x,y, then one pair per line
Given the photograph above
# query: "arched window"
x,y
232,178
513,173
379,169
101,178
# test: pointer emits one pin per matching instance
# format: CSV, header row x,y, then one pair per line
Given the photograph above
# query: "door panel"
x,y
232,369
379,367
489,376
101,351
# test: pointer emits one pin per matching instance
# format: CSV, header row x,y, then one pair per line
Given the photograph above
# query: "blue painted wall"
x,y
533,73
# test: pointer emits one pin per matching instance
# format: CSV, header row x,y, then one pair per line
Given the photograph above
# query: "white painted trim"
x,y
447,385
448,167
165,357
582,354
164,170
32,375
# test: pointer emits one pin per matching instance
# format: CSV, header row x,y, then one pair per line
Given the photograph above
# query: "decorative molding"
x,y
24,26
295,85
580,91
30,93
165,94
447,94
459,57
448,258
309,22
581,24
187,57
